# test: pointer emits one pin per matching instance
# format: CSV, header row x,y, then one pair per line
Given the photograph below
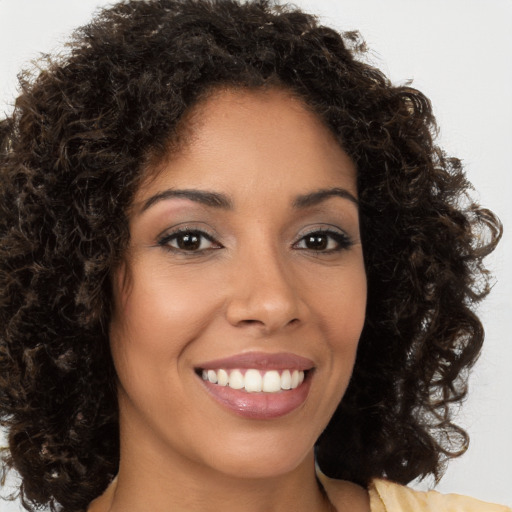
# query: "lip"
x,y
262,406
260,361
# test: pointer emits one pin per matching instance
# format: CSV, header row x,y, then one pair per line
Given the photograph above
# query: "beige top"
x,y
387,496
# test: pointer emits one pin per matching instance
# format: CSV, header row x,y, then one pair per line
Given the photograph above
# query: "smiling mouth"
x,y
258,385
252,380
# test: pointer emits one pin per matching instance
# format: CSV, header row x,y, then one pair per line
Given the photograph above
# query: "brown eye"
x,y
189,241
317,242
324,241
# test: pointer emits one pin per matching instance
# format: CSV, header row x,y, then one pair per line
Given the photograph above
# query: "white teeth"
x,y
286,380
295,379
271,382
236,380
255,381
222,378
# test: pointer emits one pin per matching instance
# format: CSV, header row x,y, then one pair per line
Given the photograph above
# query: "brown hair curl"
x,y
71,157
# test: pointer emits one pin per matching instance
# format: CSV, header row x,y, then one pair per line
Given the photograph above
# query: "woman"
x,y
230,251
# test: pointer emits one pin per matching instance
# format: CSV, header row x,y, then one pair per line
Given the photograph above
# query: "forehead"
x,y
244,139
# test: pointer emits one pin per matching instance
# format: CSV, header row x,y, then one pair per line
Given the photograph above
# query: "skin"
x,y
253,285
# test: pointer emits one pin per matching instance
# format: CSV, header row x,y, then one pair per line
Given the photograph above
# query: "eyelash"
x,y
341,240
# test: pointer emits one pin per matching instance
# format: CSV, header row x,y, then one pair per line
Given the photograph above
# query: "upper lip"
x,y
260,361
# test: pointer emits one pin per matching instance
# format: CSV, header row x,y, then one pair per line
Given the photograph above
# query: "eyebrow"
x,y
218,200
314,198
213,199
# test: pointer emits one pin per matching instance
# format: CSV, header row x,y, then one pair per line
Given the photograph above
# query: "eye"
x,y
324,241
189,240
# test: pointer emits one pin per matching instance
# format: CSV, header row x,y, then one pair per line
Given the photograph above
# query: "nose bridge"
x,y
263,289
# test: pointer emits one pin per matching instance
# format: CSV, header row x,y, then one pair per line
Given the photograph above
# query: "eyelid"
x,y
321,228
188,226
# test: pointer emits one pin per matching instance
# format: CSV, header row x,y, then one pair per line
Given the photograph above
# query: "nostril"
x,y
260,322
251,322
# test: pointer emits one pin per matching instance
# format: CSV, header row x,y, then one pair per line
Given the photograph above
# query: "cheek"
x,y
159,308
154,321
340,315
340,308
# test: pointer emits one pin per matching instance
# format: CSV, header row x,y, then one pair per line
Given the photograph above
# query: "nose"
x,y
264,294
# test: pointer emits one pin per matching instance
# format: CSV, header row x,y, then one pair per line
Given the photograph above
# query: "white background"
x,y
458,52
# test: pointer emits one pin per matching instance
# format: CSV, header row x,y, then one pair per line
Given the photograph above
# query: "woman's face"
x,y
244,275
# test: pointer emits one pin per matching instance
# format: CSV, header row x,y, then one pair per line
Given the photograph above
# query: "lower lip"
x,y
262,406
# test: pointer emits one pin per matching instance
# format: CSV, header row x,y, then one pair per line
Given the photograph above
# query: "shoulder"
x,y
386,496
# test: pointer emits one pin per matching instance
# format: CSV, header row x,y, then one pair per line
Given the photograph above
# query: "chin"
x,y
261,467
263,458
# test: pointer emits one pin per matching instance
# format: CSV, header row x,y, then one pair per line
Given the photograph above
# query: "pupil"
x,y
189,242
316,242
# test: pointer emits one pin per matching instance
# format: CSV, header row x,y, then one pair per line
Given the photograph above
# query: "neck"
x,y
160,483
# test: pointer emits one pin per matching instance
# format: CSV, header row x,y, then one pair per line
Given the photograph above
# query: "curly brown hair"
x,y
82,135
